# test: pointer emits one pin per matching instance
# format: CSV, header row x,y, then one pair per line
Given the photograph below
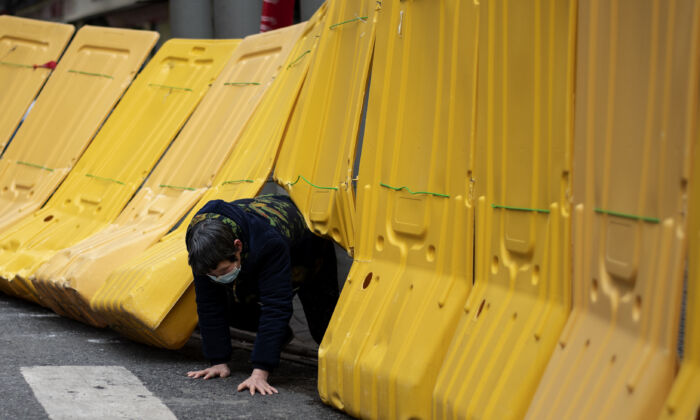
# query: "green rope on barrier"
x,y
496,206
313,185
241,84
7,63
104,179
628,216
91,74
175,187
363,18
411,192
170,87
298,59
34,165
237,181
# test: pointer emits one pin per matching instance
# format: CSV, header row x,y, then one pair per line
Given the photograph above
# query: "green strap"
x,y
313,185
411,192
34,165
363,18
91,74
628,216
497,206
298,59
175,187
104,179
7,63
170,87
241,84
237,181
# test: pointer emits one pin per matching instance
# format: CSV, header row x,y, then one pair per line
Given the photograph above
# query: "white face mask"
x,y
228,277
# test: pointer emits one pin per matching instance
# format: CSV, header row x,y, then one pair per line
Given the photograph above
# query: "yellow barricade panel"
x,y
521,297
683,401
137,301
93,73
26,45
125,150
180,178
406,289
316,158
635,119
151,298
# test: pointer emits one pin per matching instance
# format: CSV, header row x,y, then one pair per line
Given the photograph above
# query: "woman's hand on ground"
x,y
257,382
220,370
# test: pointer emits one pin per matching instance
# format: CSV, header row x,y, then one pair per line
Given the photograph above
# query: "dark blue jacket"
x,y
268,240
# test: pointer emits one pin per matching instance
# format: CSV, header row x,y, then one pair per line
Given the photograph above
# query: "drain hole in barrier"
x,y
481,307
367,281
48,218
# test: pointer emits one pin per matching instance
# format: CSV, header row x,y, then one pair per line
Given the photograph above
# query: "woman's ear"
x,y
238,245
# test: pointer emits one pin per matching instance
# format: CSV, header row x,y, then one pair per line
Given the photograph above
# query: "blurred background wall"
x,y
171,18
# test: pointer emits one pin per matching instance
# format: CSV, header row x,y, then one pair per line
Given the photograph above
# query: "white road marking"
x,y
91,392
104,340
38,336
33,315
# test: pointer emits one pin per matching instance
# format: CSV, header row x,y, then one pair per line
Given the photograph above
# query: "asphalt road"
x,y
32,337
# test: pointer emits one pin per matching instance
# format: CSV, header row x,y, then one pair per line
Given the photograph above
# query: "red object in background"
x,y
276,14
48,65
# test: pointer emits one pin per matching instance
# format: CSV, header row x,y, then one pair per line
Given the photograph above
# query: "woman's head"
x,y
210,242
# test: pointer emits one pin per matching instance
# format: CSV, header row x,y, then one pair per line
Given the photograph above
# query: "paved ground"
x,y
32,337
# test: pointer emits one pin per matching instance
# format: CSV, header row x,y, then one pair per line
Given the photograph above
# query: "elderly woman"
x,y
249,257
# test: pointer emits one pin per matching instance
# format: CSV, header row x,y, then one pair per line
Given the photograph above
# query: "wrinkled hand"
x,y
257,382
220,370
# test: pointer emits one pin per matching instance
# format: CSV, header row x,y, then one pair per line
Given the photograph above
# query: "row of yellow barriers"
x,y
527,179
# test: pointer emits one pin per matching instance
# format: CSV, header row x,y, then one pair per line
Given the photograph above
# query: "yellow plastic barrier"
x,y
93,73
521,297
151,298
25,46
413,268
315,162
683,401
72,276
125,150
636,116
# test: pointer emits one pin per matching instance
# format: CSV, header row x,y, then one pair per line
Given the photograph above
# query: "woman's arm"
x,y
213,320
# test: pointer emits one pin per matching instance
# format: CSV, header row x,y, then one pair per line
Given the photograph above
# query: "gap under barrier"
x,y
73,275
151,298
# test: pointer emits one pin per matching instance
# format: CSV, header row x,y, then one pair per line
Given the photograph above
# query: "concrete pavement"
x,y
32,336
